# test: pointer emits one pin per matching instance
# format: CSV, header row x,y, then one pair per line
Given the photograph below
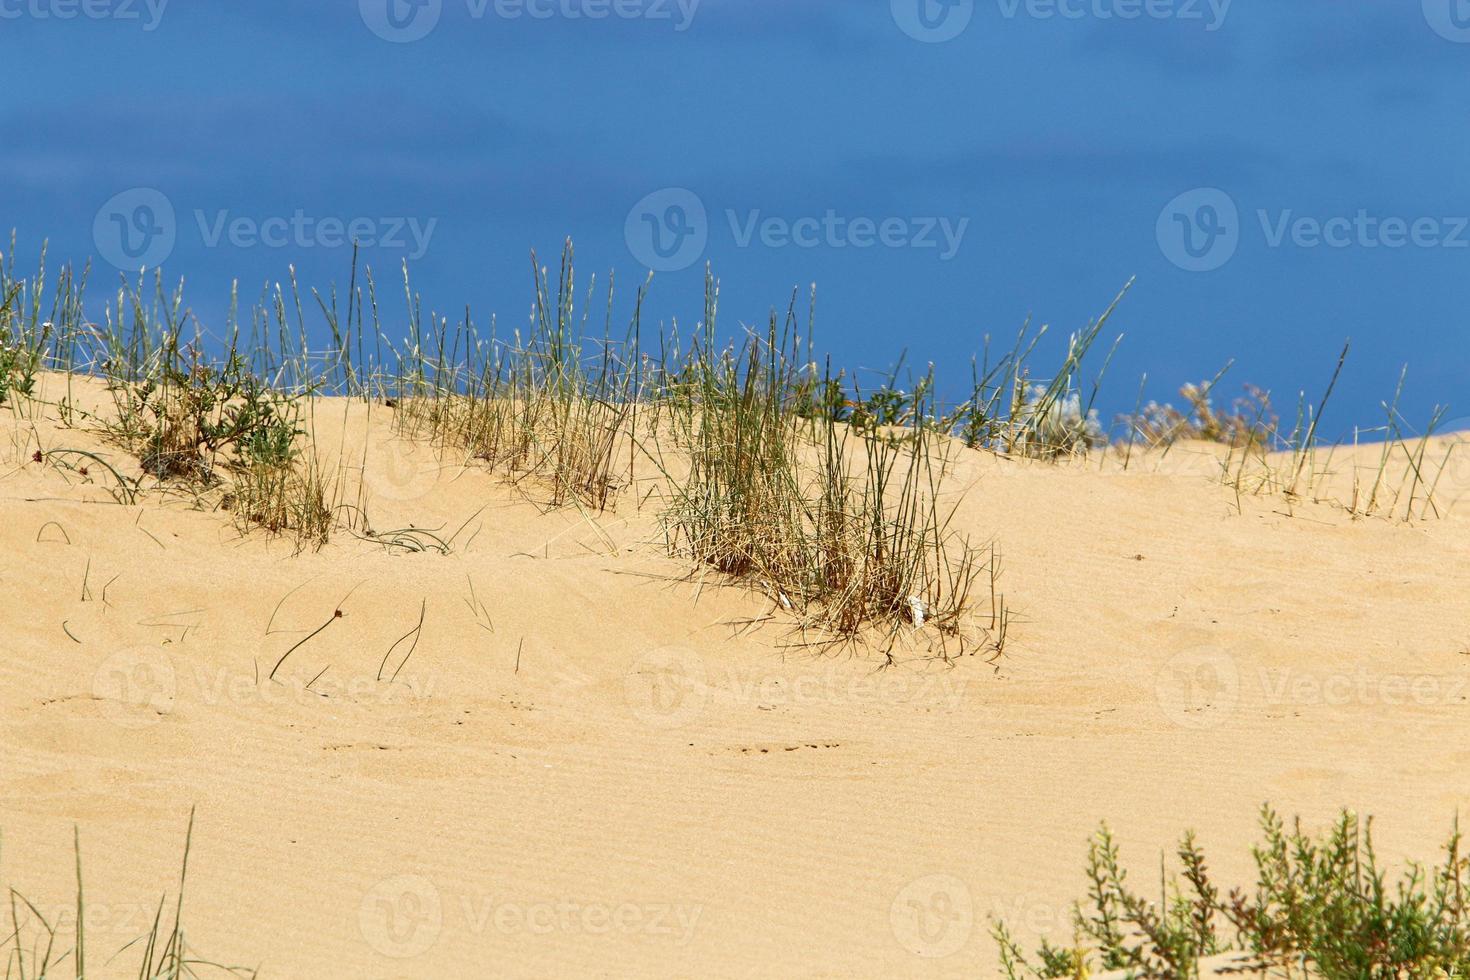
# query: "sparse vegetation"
x,y
41,946
1301,467
766,466
546,407
295,498
17,372
1322,906
180,416
1250,424
839,523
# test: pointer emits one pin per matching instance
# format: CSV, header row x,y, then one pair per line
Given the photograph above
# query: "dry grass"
x,y
296,499
839,524
547,407
41,947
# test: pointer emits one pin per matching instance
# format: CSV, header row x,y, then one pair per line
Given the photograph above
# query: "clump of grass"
x,y
829,498
887,551
1047,421
1056,427
229,425
1322,906
548,407
296,498
825,495
839,523
37,946
214,423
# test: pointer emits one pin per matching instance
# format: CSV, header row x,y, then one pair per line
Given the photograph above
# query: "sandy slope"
x,y
654,791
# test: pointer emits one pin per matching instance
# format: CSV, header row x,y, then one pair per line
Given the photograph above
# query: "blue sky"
x,y
1310,153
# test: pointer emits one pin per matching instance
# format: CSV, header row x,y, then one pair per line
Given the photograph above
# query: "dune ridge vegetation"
x,y
772,467
746,437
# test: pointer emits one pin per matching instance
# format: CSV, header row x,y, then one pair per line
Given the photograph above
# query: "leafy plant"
x,y
186,413
17,373
1322,906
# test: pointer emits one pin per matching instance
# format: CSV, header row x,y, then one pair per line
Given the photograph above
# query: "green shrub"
x,y
1322,906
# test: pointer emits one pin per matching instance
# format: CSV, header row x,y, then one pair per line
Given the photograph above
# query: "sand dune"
x,y
594,765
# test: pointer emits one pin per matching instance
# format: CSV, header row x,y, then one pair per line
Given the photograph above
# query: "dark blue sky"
x,y
1063,145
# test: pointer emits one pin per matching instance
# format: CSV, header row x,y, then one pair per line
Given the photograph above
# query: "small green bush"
x,y
1321,907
